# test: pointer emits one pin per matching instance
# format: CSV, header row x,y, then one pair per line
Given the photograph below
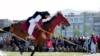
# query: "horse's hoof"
x,y
31,47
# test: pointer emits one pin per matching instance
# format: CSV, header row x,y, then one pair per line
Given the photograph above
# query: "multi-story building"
x,y
96,25
76,27
4,23
16,21
81,25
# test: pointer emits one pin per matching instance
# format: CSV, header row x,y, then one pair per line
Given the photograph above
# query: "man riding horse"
x,y
36,20
38,27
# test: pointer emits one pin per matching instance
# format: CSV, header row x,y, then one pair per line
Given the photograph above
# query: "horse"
x,y
20,29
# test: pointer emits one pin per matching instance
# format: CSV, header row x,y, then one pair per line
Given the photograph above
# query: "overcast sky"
x,y
22,9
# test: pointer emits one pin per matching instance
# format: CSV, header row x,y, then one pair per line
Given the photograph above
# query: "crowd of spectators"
x,y
53,45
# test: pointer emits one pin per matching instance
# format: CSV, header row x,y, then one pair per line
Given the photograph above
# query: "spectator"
x,y
93,43
49,45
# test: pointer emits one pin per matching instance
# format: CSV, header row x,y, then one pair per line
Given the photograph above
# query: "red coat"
x,y
95,38
49,43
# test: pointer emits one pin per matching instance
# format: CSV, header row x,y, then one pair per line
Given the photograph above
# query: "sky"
x,y
22,9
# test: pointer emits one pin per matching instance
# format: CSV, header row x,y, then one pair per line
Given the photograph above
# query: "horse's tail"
x,y
1,30
5,29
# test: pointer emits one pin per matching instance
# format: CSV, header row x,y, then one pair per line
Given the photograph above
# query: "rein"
x,y
58,37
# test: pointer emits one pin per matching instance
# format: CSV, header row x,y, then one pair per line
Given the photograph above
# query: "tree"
x,y
76,32
91,31
85,28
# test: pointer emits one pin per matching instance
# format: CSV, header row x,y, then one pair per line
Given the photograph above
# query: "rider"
x,y
33,21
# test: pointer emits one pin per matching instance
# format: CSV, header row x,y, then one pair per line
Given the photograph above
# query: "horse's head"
x,y
57,19
61,19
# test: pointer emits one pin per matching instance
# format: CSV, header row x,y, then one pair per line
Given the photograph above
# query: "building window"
x,y
71,20
78,20
81,27
81,20
75,20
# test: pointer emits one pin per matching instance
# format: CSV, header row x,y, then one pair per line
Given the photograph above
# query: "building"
x,y
96,25
76,28
4,23
16,21
81,25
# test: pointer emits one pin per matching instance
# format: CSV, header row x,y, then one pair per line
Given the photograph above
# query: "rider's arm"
x,y
47,19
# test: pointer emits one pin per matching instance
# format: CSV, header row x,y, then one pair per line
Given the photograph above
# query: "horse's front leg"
x,y
33,51
36,46
17,44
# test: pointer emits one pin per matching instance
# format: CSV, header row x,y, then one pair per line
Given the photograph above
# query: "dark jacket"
x,y
36,14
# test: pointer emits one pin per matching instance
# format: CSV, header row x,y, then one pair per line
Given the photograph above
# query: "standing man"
x,y
93,43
